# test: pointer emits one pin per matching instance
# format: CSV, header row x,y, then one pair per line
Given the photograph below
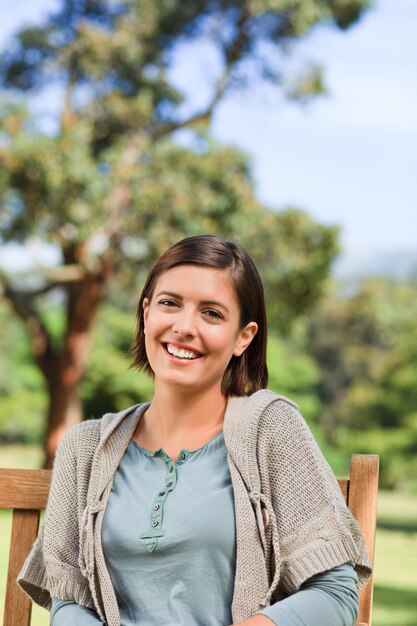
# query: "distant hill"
x,y
398,264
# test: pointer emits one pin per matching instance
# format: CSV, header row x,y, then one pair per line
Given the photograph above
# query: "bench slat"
x,y
24,489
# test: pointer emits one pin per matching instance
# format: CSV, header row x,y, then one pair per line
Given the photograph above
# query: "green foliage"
x,y
293,253
294,374
109,384
129,45
366,348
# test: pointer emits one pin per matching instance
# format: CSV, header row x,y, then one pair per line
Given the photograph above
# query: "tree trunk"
x,y
64,410
63,367
63,370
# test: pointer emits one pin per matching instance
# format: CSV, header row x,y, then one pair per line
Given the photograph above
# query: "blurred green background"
x,y
108,155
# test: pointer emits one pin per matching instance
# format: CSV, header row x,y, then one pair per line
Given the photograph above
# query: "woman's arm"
x,y
52,567
68,613
327,599
316,530
257,620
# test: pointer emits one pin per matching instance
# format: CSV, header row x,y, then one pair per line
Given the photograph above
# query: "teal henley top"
x,y
169,542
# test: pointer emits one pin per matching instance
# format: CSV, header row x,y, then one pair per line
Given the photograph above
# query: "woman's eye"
x,y
213,314
168,303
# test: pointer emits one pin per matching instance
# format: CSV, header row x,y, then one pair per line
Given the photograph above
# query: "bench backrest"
x,y
26,492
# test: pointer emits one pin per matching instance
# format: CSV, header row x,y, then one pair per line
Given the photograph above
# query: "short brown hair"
x,y
244,374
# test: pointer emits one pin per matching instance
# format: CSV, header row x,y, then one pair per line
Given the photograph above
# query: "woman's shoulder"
x,y
250,409
85,436
78,433
277,412
266,398
266,416
263,410
78,444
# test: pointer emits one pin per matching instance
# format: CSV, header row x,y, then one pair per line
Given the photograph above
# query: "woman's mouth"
x,y
181,353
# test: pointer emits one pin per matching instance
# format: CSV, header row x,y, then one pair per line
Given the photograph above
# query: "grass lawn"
x,y
395,592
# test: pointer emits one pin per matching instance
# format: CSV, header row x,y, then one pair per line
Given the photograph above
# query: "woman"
x,y
212,505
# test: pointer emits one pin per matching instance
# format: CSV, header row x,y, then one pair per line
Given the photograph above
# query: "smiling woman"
x,y
185,326
212,503
228,268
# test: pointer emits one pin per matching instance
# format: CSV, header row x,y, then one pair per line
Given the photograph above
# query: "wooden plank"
x,y
18,606
24,489
363,494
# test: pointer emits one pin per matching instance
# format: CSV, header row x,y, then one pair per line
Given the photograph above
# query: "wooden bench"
x,y
26,492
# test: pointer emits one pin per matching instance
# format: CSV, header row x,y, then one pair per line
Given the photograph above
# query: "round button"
x,y
182,456
155,523
156,507
162,493
171,469
169,484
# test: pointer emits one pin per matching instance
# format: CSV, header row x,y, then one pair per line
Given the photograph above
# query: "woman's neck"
x,y
177,420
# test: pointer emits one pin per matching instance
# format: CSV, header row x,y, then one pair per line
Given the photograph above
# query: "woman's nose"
x,y
184,325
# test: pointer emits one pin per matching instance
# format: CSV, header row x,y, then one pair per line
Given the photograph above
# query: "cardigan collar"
x,y
117,430
240,425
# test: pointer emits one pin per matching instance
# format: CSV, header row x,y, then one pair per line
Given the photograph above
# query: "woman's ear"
x,y
145,307
245,336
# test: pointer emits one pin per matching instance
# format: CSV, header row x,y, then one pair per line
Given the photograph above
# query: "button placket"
x,y
151,535
171,475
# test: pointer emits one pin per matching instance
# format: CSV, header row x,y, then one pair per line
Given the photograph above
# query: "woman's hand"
x,y
256,620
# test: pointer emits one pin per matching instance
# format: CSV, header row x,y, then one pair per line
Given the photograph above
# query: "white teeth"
x,y
181,354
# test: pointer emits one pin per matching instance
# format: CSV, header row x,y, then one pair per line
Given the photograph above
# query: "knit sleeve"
x,y
51,568
315,530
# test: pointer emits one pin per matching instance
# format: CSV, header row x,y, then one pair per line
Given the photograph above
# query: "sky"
x,y
349,158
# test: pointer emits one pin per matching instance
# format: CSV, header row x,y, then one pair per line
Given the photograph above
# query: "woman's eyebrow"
x,y
169,293
215,303
172,294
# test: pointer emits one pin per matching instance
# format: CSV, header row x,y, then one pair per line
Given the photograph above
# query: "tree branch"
x,y
232,54
63,274
56,277
169,127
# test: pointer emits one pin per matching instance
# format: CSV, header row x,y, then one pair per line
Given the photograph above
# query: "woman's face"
x,y
192,327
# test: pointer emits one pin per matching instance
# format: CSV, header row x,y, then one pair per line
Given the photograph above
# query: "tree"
x,y
365,347
103,181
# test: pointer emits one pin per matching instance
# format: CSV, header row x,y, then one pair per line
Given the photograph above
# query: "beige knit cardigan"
x,y
275,464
